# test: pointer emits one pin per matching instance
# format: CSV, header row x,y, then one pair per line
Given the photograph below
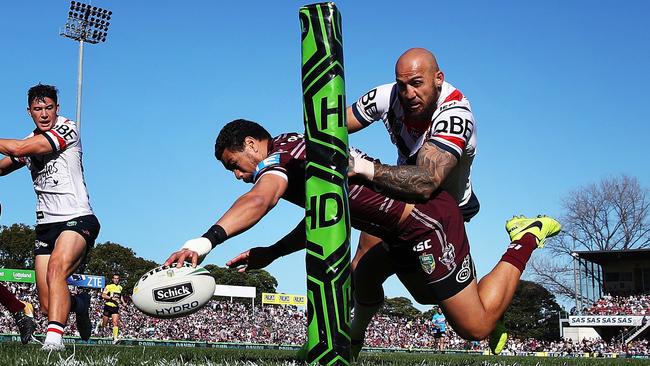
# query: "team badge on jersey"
x,y
428,263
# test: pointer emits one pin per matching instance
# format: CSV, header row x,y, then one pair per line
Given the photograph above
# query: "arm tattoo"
x,y
416,182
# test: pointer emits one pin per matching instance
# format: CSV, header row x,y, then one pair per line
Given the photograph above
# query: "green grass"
x,y
16,354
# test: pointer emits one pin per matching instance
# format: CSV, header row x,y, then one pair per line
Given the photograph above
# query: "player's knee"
x,y
55,271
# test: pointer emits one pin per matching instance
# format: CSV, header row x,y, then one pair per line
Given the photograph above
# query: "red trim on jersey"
x,y
455,95
454,140
62,143
55,330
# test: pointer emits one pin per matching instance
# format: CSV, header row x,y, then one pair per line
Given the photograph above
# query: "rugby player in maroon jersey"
x,y
425,243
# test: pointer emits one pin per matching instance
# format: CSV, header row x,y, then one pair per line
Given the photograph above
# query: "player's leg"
x,y
116,320
22,312
443,341
366,242
40,267
373,268
104,321
67,255
9,300
101,322
468,315
487,301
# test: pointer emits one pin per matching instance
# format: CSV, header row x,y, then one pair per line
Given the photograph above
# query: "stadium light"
x,y
85,24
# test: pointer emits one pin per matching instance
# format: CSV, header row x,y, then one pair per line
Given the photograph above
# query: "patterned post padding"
x,y
327,216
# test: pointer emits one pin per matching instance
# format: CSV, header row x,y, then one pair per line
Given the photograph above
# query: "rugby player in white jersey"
x,y
66,227
432,125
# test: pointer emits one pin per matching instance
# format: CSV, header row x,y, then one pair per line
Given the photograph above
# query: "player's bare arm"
x,y
245,212
253,205
414,182
353,123
7,166
105,295
35,145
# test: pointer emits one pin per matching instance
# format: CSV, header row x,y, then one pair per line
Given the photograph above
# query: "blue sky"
x,y
558,91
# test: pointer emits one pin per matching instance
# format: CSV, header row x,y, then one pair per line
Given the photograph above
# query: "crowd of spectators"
x,y
227,321
620,305
569,347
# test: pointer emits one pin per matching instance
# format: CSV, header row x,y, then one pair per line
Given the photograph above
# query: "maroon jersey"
x,y
370,211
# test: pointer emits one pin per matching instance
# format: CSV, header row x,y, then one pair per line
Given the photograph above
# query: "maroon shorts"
x,y
430,255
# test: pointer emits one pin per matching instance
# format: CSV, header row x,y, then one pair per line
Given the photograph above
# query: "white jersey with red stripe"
x,y
452,129
58,176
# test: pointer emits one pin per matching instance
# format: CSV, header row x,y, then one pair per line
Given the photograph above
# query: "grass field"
x,y
16,354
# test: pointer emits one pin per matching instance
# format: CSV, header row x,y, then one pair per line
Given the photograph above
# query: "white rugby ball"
x,y
170,292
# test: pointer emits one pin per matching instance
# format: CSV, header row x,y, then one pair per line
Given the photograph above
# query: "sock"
x,y
54,332
9,300
115,330
519,251
362,316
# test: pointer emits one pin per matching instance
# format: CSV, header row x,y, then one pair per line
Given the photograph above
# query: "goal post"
x,y
327,216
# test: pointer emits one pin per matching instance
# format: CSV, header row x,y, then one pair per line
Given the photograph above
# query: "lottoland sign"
x,y
606,320
17,275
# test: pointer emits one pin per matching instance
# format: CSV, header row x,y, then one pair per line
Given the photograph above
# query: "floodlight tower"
x,y
86,23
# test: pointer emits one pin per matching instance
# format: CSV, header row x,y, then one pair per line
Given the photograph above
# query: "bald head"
x,y
417,59
419,81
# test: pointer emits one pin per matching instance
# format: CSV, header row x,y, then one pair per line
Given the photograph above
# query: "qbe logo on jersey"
x,y
174,293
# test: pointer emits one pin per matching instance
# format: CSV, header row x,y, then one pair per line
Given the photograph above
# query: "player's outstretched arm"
x,y
7,165
409,182
35,145
260,257
245,212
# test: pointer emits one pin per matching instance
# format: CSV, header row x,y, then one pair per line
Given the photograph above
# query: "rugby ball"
x,y
170,292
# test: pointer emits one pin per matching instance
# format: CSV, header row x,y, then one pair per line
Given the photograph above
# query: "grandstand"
x,y
241,324
612,302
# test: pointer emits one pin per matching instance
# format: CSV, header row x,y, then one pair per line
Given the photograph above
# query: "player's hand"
x,y
358,164
181,256
255,258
